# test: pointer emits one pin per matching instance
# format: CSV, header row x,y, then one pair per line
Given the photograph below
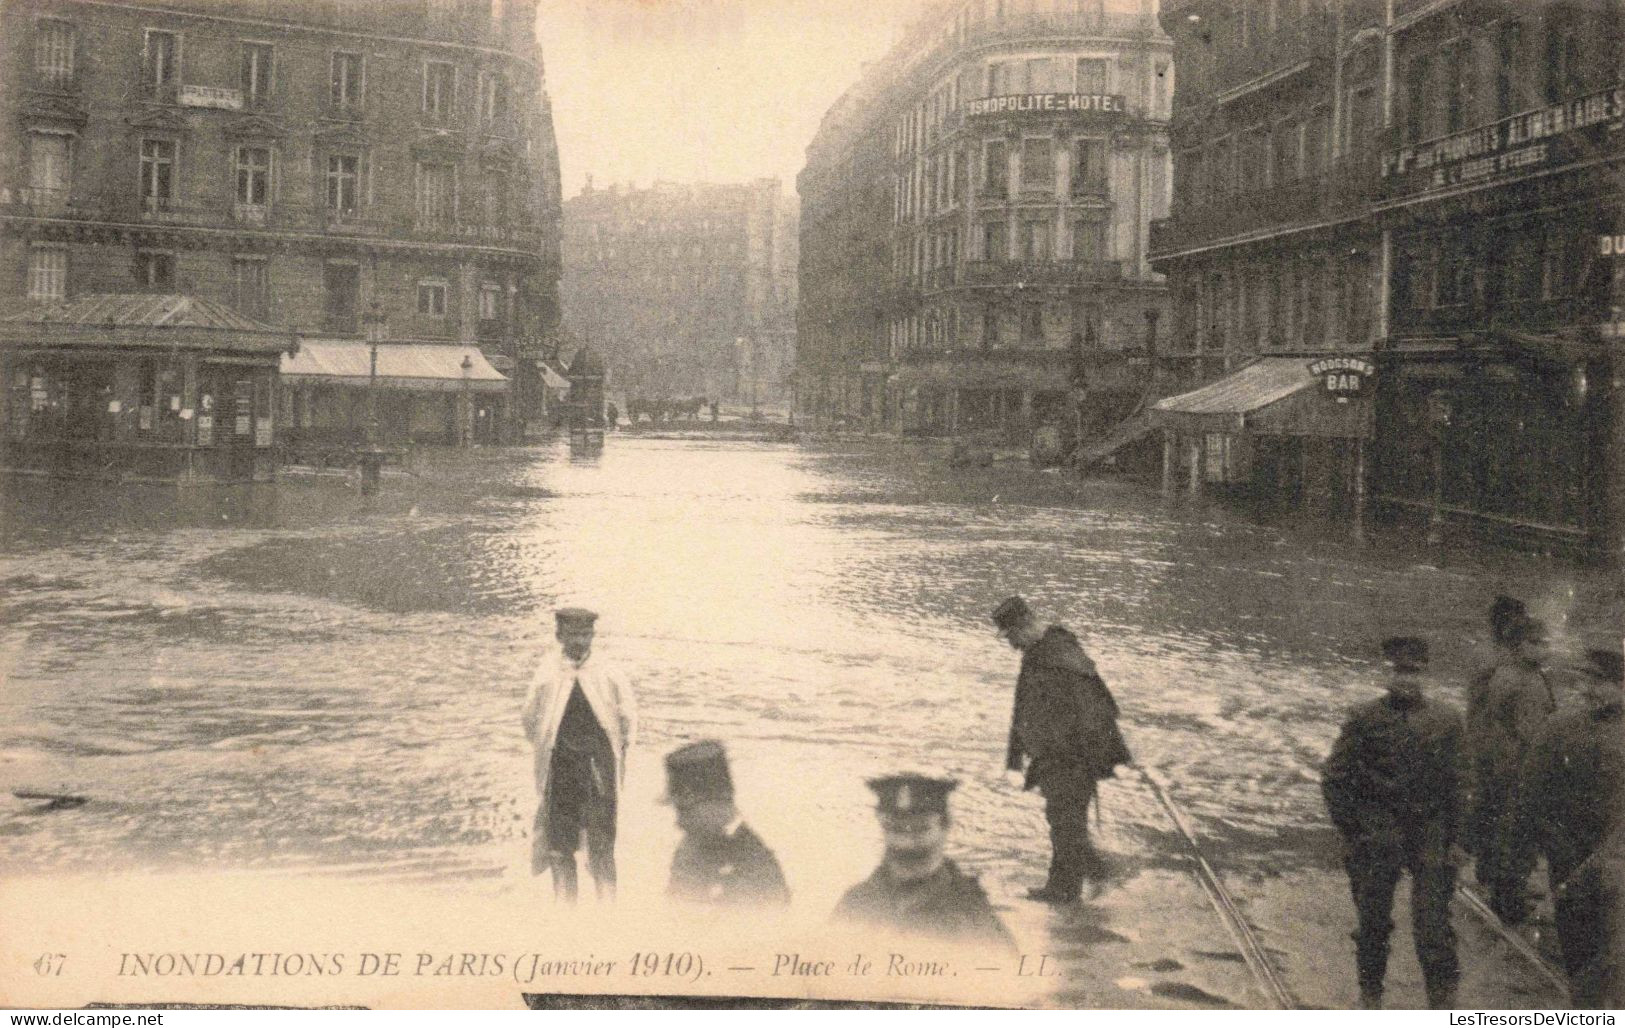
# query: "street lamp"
x,y
466,422
376,323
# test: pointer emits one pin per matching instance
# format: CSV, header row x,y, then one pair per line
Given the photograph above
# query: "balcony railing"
x,y
346,323
160,92
1528,315
1040,272
57,80
1290,44
1030,356
1345,191
34,201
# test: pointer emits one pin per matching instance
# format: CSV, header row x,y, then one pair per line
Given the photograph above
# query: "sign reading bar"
x,y
1342,377
211,96
1047,103
1519,143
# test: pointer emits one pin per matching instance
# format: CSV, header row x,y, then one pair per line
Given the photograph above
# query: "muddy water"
x,y
293,678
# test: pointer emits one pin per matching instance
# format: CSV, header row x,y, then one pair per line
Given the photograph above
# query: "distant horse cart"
x,y
660,410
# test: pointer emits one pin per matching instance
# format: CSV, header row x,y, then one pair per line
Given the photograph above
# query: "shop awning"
x,y
550,378
164,321
420,367
1271,396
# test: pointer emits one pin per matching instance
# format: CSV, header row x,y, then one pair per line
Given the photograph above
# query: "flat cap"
x,y
1010,612
578,616
912,794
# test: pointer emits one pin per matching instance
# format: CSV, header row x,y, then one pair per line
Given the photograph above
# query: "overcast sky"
x,y
701,90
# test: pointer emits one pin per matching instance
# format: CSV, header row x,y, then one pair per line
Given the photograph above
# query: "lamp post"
x,y
465,425
376,323
1438,421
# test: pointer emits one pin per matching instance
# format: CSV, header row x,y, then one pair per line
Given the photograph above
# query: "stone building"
x,y
975,213
303,164
685,290
1413,197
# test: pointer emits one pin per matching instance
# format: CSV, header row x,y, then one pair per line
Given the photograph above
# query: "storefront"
x,y
443,394
1285,434
140,388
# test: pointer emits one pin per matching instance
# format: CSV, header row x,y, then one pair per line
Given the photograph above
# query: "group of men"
x,y
580,715
1411,786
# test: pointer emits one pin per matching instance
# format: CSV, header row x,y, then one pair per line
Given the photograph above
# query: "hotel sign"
x,y
1522,143
1343,377
1047,103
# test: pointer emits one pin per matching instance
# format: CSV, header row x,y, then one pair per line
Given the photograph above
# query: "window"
x,y
1458,88
1509,45
49,168
490,301
1091,75
1563,76
342,283
157,173
995,168
1160,84
995,241
343,182
496,198
1416,88
990,329
251,285
1032,325
256,74
47,273
1035,244
1089,166
162,55
253,176
1040,75
53,52
155,270
436,194
1316,138
1089,240
432,299
493,100
1286,153
346,83
439,85
999,78
1037,164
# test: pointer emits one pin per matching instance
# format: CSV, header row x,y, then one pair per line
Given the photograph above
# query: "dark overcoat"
x,y
1064,714
735,868
947,904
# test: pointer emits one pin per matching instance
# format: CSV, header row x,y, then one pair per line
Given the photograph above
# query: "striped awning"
x,y
420,367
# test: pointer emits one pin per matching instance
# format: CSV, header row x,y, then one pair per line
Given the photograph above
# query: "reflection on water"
x,y
294,677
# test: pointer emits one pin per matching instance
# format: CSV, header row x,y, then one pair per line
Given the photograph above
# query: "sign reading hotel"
x,y
1521,143
1047,103
1343,377
211,96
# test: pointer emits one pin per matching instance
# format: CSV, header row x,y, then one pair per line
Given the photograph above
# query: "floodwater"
x,y
294,679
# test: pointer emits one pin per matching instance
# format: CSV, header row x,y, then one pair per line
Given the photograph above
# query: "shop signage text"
x,y
211,96
1044,103
1612,246
1521,142
1342,377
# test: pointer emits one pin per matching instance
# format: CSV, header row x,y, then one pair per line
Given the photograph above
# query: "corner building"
x,y
297,163
975,215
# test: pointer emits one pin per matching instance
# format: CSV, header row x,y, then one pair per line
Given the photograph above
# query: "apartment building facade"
x,y
1016,153
685,290
317,168
1385,257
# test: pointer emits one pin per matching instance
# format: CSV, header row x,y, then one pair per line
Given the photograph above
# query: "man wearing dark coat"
x,y
1393,791
916,889
1597,889
1504,614
1569,797
1065,725
720,860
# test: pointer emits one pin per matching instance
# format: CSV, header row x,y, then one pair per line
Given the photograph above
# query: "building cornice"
x,y
303,26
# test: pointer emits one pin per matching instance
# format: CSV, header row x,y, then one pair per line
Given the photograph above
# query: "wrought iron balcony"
x,y
1025,273
34,201
1347,190
1291,44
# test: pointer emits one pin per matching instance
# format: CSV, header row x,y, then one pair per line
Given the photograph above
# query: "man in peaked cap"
x,y
916,889
720,860
1568,799
1517,701
581,716
1065,724
1392,789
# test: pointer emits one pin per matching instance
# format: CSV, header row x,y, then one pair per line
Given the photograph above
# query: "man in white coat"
x,y
581,716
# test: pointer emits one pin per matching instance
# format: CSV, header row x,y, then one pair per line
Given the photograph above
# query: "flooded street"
x,y
296,679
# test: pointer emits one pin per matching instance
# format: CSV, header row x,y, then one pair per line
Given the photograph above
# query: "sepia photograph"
x,y
814,504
